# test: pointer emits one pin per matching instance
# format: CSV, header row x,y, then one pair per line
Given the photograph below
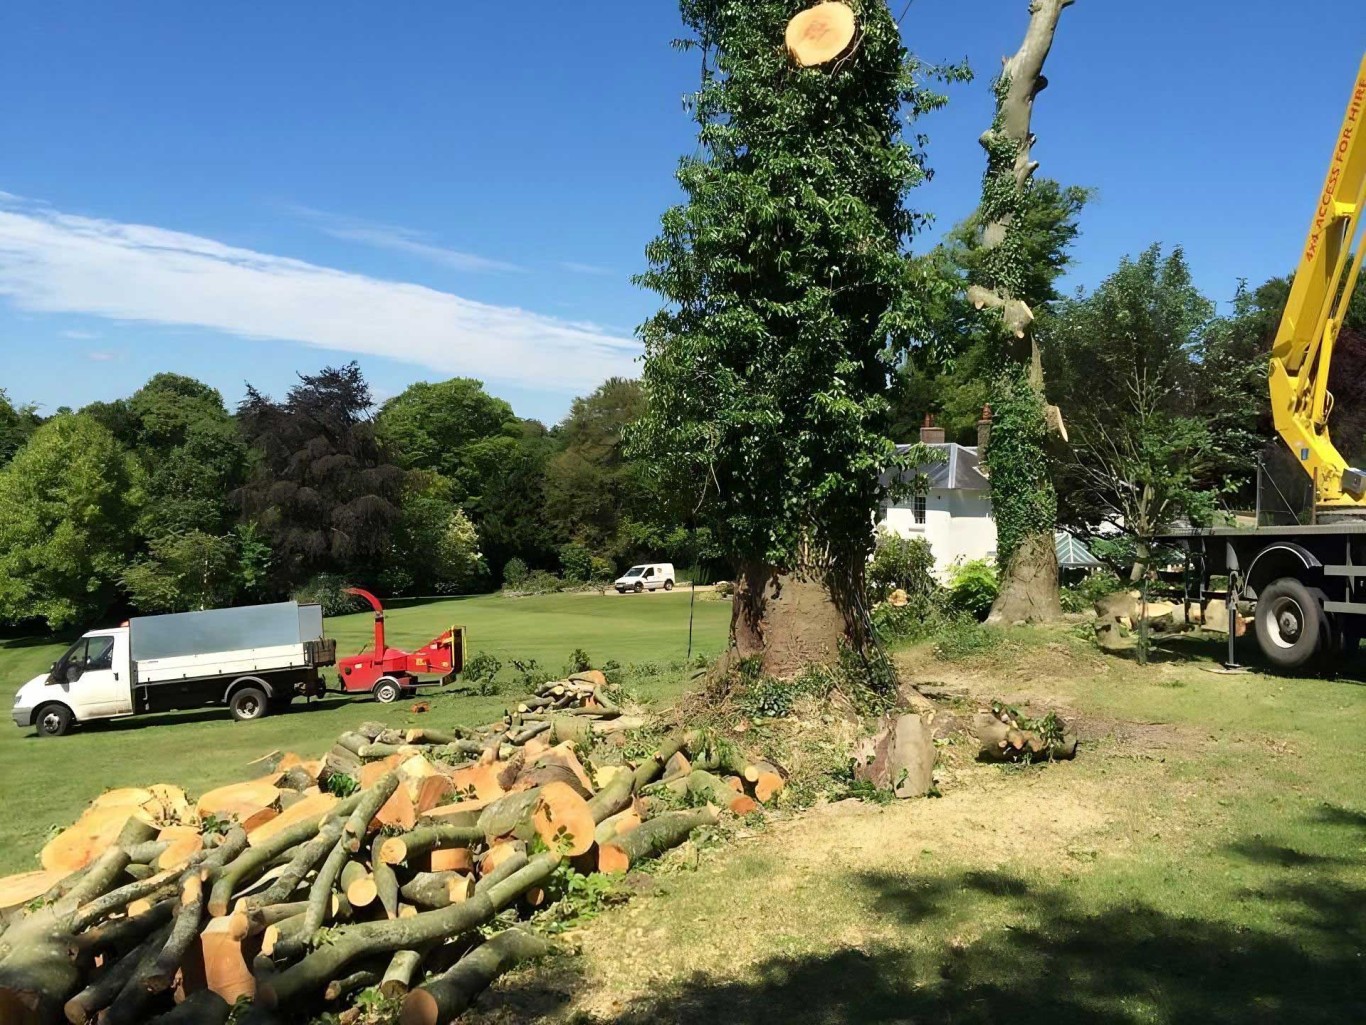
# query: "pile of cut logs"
x,y
376,866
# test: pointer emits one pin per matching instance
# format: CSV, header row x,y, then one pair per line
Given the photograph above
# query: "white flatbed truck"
x,y
251,659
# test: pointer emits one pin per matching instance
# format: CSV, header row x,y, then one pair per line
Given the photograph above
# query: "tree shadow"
x,y
1126,964
209,713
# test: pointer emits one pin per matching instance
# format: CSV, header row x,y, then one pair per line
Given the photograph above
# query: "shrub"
x,y
612,670
482,667
541,582
972,588
901,562
529,671
905,623
329,591
515,572
601,570
579,662
724,588
963,636
577,563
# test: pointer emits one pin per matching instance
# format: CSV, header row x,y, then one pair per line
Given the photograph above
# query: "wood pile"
x,y
375,866
1006,736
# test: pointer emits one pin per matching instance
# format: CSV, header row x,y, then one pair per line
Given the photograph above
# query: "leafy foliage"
x,y
1023,500
972,588
65,523
322,488
185,571
904,563
784,276
17,424
329,591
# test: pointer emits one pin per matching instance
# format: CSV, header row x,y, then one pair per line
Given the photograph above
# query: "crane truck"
x,y
1308,582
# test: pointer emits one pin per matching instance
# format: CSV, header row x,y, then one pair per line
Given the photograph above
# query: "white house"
x,y
954,516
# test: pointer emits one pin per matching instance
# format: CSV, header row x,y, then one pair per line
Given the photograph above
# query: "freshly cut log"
x,y
357,826
996,743
284,931
652,838
19,889
449,995
125,1007
620,823
563,755
313,808
386,882
350,942
563,820
499,853
239,800
220,963
253,822
86,1005
477,782
461,813
407,847
161,973
510,815
509,866
647,770
432,889
358,885
122,933
372,772
341,762
820,34
398,977
338,988
170,805
767,779
614,796
182,843
429,792
397,812
253,921
714,790
452,859
92,834
427,735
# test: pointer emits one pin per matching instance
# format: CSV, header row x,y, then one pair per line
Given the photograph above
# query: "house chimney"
x,y
983,435
929,433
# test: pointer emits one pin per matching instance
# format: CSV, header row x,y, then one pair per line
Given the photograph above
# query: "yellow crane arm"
x,y
1303,350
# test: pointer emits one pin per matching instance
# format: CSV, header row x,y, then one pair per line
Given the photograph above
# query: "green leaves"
x,y
784,277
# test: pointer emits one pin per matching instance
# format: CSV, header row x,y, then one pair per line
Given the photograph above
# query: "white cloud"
x,y
396,239
52,262
102,357
587,268
81,336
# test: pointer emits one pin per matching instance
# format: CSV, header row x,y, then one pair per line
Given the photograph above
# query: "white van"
x,y
649,576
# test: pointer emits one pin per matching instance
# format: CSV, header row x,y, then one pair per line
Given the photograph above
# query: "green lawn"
x,y
48,781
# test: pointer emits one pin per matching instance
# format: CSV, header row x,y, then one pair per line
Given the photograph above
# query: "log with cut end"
x,y
714,790
563,820
1002,742
351,942
239,801
406,847
160,975
510,815
345,986
620,823
652,838
767,779
820,34
386,882
18,890
358,823
451,859
247,921
359,885
449,995
435,889
86,1005
499,853
398,977
92,834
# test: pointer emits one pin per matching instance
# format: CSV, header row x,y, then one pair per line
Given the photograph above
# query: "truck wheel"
x,y
248,703
387,692
668,585
639,587
1290,623
53,720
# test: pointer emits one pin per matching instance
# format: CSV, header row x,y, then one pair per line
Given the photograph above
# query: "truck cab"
x,y
92,680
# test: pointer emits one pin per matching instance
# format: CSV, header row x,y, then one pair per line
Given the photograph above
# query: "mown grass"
x,y
47,781
1203,860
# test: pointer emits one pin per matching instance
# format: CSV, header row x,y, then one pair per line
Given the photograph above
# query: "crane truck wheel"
x,y
387,691
1290,623
248,703
53,720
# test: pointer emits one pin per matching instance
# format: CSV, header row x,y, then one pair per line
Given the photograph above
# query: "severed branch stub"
x,y
820,34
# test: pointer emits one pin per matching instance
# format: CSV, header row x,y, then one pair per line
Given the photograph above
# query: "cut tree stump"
x,y
820,34
900,757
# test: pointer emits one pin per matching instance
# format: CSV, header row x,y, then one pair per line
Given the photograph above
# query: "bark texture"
x,y
788,620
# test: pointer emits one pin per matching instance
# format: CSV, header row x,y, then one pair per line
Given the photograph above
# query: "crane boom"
x,y
1303,349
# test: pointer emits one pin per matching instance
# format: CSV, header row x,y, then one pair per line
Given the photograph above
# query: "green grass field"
x,y
48,781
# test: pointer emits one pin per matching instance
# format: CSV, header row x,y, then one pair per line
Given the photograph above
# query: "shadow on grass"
x,y
1044,959
210,713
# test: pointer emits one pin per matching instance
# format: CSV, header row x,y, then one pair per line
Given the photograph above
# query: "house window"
x,y
918,508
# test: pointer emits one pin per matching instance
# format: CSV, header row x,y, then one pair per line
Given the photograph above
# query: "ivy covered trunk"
x,y
785,277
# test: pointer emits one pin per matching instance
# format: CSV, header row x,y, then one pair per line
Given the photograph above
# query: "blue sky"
x,y
240,192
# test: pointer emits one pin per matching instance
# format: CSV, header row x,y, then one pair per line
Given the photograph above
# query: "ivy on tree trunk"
x,y
785,280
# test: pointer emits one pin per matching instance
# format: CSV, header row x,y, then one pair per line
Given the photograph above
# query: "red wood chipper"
x,y
391,673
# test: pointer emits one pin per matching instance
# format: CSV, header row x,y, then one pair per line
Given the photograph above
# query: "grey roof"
x,y
959,469
1072,554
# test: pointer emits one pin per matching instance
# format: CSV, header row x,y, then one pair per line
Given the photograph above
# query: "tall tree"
x,y
784,277
17,424
322,488
65,523
1002,279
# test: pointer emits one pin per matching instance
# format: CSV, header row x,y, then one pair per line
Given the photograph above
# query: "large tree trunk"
x,y
789,620
1029,585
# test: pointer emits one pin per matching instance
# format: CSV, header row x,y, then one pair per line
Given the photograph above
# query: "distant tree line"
x,y
168,501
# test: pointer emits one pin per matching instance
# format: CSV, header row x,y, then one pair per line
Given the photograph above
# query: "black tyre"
x,y
639,587
387,691
53,720
248,703
668,585
1290,624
